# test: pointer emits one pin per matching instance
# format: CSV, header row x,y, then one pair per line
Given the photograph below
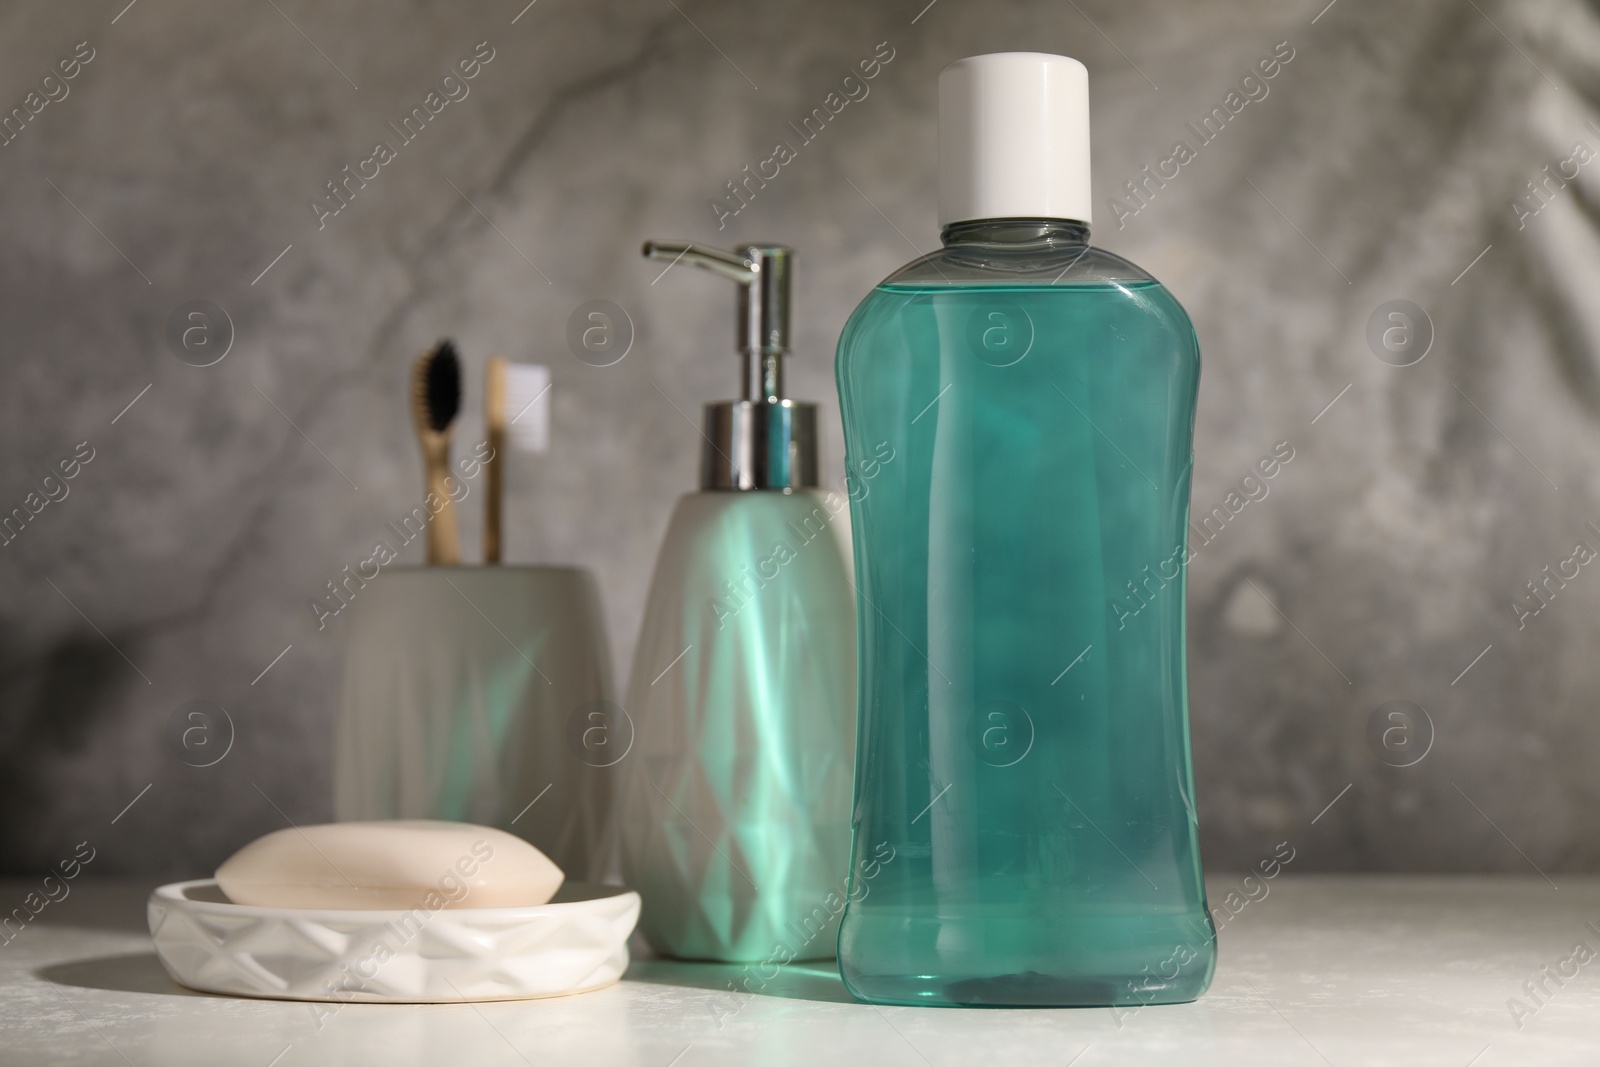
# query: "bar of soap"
x,y
391,865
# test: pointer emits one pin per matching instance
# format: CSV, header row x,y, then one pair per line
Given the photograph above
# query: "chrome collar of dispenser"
x,y
762,441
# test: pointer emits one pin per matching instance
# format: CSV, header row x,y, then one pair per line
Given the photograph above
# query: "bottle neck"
x,y
1023,235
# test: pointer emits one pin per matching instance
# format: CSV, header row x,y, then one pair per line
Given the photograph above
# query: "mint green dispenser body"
x,y
1023,745
735,810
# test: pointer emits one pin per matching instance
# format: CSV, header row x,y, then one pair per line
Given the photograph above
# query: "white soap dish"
x,y
575,943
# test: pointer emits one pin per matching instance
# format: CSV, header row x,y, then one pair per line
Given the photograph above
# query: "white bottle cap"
x,y
1014,138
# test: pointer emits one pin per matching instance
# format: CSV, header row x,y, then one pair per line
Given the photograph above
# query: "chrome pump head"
x,y
763,440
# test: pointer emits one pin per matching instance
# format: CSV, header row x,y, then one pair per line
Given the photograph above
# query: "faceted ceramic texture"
x,y
465,693
1024,746
735,815
577,943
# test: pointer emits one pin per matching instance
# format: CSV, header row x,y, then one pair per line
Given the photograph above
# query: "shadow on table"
x,y
139,972
816,980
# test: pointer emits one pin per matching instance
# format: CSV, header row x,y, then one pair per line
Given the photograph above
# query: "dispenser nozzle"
x,y
762,273
715,260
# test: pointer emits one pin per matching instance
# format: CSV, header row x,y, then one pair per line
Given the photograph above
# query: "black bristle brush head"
x,y
442,386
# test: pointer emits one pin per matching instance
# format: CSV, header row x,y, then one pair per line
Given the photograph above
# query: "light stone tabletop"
x,y
1322,970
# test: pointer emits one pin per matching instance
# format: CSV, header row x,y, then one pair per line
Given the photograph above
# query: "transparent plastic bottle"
x,y
1022,745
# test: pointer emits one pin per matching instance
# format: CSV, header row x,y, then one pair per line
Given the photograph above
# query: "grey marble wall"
x,y
1382,162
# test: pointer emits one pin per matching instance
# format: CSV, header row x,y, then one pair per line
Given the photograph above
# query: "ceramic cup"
x,y
483,695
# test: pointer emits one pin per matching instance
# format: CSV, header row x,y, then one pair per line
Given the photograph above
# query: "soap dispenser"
x,y
735,808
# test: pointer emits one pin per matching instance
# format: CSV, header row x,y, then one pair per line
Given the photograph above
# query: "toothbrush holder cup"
x,y
484,695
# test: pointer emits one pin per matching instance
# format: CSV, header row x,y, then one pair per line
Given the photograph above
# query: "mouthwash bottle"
x,y
1023,737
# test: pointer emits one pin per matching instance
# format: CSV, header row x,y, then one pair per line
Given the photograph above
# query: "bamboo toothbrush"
x,y
435,401
516,413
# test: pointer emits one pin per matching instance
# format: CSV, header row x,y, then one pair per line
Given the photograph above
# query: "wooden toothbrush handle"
x,y
494,423
444,539
494,494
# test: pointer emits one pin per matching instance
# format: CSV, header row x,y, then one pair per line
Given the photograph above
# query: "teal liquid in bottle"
x,y
1023,827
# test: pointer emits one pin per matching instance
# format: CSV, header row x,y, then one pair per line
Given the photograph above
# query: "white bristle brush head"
x,y
528,407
